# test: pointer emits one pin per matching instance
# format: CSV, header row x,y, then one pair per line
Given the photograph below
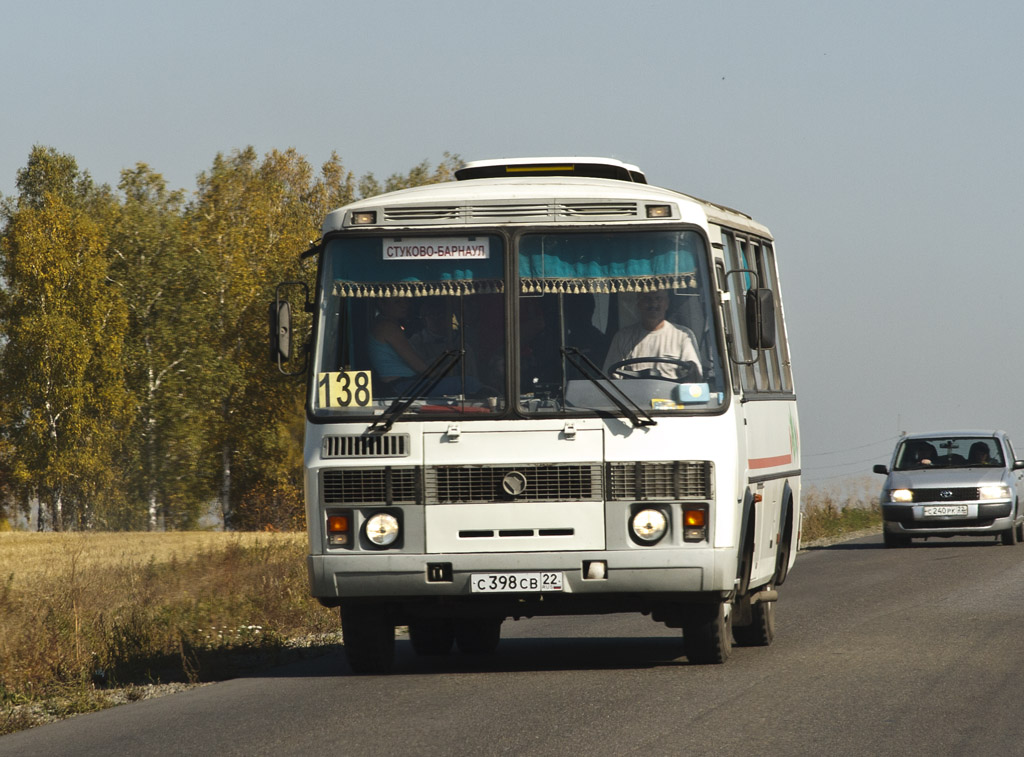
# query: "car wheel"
x,y
707,634
892,540
1009,536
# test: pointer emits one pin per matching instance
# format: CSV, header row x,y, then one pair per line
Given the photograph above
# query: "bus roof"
x,y
547,190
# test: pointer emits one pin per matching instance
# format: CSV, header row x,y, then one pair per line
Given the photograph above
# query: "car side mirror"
x,y
1018,464
881,469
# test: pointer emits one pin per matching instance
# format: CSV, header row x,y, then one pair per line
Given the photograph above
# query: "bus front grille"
x,y
450,484
641,480
386,445
378,486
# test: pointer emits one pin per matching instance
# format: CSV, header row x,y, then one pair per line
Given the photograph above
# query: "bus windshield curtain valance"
x,y
358,269
609,263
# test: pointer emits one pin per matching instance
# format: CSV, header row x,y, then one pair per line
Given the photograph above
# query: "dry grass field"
x,y
84,613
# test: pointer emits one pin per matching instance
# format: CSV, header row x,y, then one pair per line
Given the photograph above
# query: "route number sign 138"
x,y
345,389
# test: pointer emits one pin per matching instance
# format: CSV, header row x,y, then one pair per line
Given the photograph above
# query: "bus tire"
x,y
478,635
431,637
368,634
760,632
707,634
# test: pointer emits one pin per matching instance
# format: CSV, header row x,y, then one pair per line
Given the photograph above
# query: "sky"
x,y
879,141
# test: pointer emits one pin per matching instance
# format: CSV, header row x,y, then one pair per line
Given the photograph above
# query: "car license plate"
x,y
492,583
939,510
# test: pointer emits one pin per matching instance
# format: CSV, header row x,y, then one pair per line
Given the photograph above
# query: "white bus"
x,y
546,388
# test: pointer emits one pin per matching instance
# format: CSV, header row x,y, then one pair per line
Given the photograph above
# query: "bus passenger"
x,y
393,358
654,336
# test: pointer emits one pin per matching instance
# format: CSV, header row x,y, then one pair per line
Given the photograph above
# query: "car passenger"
x,y
922,455
979,454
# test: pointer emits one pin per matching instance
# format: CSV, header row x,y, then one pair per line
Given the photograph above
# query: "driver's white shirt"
x,y
667,341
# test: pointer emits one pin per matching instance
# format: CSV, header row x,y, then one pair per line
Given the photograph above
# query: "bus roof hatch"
x,y
595,168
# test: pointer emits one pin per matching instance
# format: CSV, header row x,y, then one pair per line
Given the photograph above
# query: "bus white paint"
x,y
506,470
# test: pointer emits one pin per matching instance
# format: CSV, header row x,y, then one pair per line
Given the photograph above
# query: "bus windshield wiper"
x,y
603,381
423,385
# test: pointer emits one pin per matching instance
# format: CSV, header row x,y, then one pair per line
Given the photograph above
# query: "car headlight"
x,y
649,525
382,529
994,491
901,495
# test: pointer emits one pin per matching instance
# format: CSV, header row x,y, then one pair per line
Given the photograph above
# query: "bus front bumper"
x,y
449,575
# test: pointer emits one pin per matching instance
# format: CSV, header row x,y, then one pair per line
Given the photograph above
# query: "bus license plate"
x,y
493,583
938,510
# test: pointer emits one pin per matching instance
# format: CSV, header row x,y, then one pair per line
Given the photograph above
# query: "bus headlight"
x,y
994,491
649,525
382,529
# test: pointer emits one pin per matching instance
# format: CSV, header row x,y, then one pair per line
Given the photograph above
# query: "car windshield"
x,y
949,452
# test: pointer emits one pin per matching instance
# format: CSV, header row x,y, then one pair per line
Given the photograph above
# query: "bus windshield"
x,y
414,325
608,314
606,320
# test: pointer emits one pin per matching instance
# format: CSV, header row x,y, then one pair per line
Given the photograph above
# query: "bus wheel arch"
x,y
787,538
746,545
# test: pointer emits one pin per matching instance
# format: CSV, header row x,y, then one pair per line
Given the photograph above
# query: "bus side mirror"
x,y
760,319
280,331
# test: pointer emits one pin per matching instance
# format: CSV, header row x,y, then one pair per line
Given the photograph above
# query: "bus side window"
x,y
738,283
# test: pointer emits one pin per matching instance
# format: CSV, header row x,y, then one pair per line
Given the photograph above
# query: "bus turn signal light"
x,y
337,530
694,525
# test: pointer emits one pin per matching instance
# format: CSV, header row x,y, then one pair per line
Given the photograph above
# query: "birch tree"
x,y
64,328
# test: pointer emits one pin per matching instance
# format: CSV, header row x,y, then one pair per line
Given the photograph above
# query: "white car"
x,y
953,483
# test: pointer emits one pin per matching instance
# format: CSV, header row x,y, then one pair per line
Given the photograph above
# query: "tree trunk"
x,y
225,486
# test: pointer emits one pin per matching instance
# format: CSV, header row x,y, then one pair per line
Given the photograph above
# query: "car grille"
x,y
957,494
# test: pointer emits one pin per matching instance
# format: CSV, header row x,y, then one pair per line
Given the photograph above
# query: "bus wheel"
x,y
478,635
369,638
431,636
707,634
760,632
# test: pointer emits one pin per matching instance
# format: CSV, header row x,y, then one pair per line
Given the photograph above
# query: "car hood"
x,y
934,478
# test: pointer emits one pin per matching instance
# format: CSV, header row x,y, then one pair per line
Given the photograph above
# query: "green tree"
x,y
64,328
164,284
252,218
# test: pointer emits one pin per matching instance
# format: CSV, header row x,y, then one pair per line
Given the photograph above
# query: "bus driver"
x,y
654,336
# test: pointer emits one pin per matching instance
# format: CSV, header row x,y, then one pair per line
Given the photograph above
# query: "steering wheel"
x,y
687,369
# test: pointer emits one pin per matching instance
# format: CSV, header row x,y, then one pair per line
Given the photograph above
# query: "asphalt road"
x,y
911,651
